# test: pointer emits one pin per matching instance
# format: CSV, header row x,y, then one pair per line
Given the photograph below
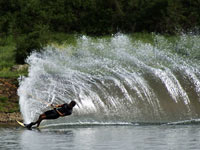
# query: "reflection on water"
x,y
102,137
56,139
9,138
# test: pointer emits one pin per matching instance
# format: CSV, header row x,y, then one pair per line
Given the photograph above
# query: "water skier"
x,y
57,111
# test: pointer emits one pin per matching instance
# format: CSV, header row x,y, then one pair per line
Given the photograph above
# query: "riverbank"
x,y
10,117
9,100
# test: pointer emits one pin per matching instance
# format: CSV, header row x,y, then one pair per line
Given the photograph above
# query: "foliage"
x,y
98,16
6,72
6,52
31,21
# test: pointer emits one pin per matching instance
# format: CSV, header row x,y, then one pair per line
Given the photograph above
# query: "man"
x,y
58,111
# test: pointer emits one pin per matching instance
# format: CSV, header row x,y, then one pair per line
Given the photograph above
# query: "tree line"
x,y
30,21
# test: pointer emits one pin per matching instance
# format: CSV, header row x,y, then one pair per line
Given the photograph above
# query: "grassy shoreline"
x,y
9,74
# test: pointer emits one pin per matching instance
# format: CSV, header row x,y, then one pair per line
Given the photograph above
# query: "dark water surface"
x,y
101,137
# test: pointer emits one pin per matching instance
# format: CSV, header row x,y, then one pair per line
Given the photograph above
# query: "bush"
x,y
26,44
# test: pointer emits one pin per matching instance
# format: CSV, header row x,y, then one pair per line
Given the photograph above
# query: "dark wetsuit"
x,y
53,114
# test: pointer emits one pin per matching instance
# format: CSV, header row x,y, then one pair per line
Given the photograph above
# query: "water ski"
x,y
23,125
20,123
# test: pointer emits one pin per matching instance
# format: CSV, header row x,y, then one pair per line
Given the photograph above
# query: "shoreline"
x,y
10,117
9,101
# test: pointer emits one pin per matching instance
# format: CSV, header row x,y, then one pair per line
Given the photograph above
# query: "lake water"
x,y
102,137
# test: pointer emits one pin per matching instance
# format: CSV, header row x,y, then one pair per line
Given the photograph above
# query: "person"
x,y
58,111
